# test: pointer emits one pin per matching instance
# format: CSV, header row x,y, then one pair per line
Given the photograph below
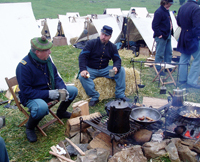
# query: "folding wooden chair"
x,y
167,67
13,82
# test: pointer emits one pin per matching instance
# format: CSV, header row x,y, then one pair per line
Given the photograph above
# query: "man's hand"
x,y
160,36
85,74
115,69
53,94
67,95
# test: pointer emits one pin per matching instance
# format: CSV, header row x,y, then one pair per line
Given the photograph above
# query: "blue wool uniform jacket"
x,y
161,23
33,79
188,19
97,55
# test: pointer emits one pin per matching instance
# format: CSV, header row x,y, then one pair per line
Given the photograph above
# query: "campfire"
x,y
173,134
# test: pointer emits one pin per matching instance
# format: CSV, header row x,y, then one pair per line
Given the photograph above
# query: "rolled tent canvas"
x,y
18,26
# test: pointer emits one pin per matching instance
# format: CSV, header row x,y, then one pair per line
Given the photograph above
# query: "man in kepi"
x,y
94,62
188,19
39,82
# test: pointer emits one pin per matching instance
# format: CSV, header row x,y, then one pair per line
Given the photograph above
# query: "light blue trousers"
x,y
89,85
3,151
163,51
39,108
194,72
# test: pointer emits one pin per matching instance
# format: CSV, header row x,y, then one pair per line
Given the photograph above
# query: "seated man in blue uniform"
x,y
39,82
94,62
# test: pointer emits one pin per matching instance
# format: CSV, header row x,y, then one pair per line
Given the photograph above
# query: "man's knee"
x,y
40,109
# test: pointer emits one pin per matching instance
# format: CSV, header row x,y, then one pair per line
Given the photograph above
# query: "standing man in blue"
x,y
188,19
162,27
94,62
39,82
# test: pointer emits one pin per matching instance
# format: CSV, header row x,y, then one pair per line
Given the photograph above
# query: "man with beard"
x,y
94,62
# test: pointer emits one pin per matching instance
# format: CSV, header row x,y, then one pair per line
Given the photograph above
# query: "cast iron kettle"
x,y
119,117
177,98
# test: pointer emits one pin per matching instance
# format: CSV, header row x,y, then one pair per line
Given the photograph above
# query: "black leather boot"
x,y
61,112
30,129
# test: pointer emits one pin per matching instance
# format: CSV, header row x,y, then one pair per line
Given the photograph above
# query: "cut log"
x,y
83,105
103,140
61,156
73,124
84,108
76,112
74,105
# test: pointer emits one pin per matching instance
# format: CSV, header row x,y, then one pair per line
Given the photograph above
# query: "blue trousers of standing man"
x,y
192,78
163,51
89,85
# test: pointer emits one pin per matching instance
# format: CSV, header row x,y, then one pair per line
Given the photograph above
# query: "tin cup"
x,y
2,121
62,95
111,73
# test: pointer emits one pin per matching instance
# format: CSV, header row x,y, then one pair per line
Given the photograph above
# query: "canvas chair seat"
x,y
169,73
13,82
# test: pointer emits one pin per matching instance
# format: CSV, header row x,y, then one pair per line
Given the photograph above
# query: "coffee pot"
x,y
177,97
119,114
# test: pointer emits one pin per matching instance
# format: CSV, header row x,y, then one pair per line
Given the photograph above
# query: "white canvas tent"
x,y
50,28
141,12
142,29
18,26
71,29
113,11
72,14
94,29
174,22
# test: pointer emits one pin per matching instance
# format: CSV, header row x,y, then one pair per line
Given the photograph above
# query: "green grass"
x,y
66,60
51,8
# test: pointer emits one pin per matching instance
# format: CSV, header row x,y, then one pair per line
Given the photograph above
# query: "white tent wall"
x,y
144,27
113,11
140,11
174,22
40,23
72,14
18,26
71,30
52,26
92,33
110,21
125,13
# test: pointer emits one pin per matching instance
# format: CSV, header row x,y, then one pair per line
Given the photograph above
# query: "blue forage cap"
x,y
107,30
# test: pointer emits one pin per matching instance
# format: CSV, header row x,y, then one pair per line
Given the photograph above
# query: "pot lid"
x,y
178,91
120,104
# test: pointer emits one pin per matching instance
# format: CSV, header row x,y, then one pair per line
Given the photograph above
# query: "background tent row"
x,y
21,24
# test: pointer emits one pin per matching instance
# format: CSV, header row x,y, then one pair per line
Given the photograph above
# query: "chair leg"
x,y
43,133
55,116
24,122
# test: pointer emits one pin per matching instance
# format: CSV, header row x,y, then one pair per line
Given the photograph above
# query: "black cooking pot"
x,y
119,113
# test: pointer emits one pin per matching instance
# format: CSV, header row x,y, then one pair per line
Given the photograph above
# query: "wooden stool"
x,y
167,67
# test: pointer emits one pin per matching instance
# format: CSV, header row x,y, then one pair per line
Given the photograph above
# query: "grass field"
x,y
51,8
66,60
